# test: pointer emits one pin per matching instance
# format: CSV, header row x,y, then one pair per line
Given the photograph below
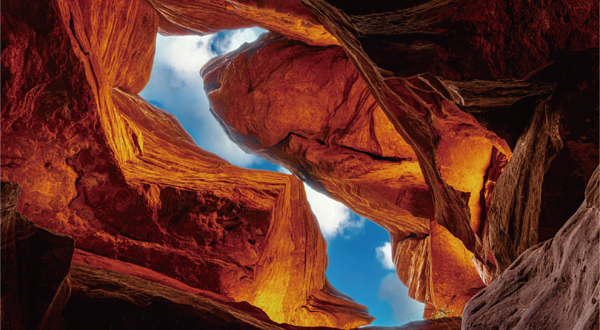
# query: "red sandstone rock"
x,y
102,299
411,116
420,35
288,17
479,39
553,285
35,268
307,109
125,181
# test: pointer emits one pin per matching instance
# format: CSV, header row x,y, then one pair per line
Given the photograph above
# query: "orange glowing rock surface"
x,y
356,99
307,109
288,17
122,177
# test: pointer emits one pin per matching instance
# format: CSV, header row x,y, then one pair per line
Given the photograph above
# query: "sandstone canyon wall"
x,y
97,162
468,130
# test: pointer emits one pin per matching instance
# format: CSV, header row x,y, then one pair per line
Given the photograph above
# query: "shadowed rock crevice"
x,y
336,137
407,112
561,273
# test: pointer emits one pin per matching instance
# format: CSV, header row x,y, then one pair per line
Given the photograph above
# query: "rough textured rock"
x,y
553,285
461,40
414,121
126,181
416,29
104,299
155,212
328,130
35,268
516,213
41,289
343,154
288,17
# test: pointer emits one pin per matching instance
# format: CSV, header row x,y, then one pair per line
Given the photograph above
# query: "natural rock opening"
x,y
415,105
176,86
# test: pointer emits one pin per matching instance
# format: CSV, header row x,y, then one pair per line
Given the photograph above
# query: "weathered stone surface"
x,y
415,121
553,285
521,208
389,29
126,181
461,41
288,17
327,129
35,268
104,299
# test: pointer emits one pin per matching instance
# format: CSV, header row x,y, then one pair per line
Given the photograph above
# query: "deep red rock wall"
x,y
467,129
125,180
307,109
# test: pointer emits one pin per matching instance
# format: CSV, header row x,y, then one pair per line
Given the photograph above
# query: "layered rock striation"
x,y
468,130
327,129
99,163
324,126
553,284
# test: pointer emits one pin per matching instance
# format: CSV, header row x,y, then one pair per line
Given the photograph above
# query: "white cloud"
x,y
238,38
221,145
404,308
176,86
186,54
334,217
384,254
282,169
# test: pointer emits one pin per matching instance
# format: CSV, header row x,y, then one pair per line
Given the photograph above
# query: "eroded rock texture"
x,y
35,268
420,158
41,289
427,35
328,130
122,177
553,285
467,129
288,17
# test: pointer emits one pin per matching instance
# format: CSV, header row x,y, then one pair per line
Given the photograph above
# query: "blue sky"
x,y
359,251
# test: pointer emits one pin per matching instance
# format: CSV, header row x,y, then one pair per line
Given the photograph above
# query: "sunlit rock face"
x,y
307,109
122,177
424,159
467,130
390,41
46,284
289,17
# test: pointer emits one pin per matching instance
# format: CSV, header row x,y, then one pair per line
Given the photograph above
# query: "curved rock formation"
x,y
288,17
307,109
41,289
551,285
410,122
127,182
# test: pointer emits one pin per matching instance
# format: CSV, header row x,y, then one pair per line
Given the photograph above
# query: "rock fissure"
x,y
469,131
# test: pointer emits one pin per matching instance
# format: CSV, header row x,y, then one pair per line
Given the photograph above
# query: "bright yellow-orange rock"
x,y
288,17
370,124
122,177
307,109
